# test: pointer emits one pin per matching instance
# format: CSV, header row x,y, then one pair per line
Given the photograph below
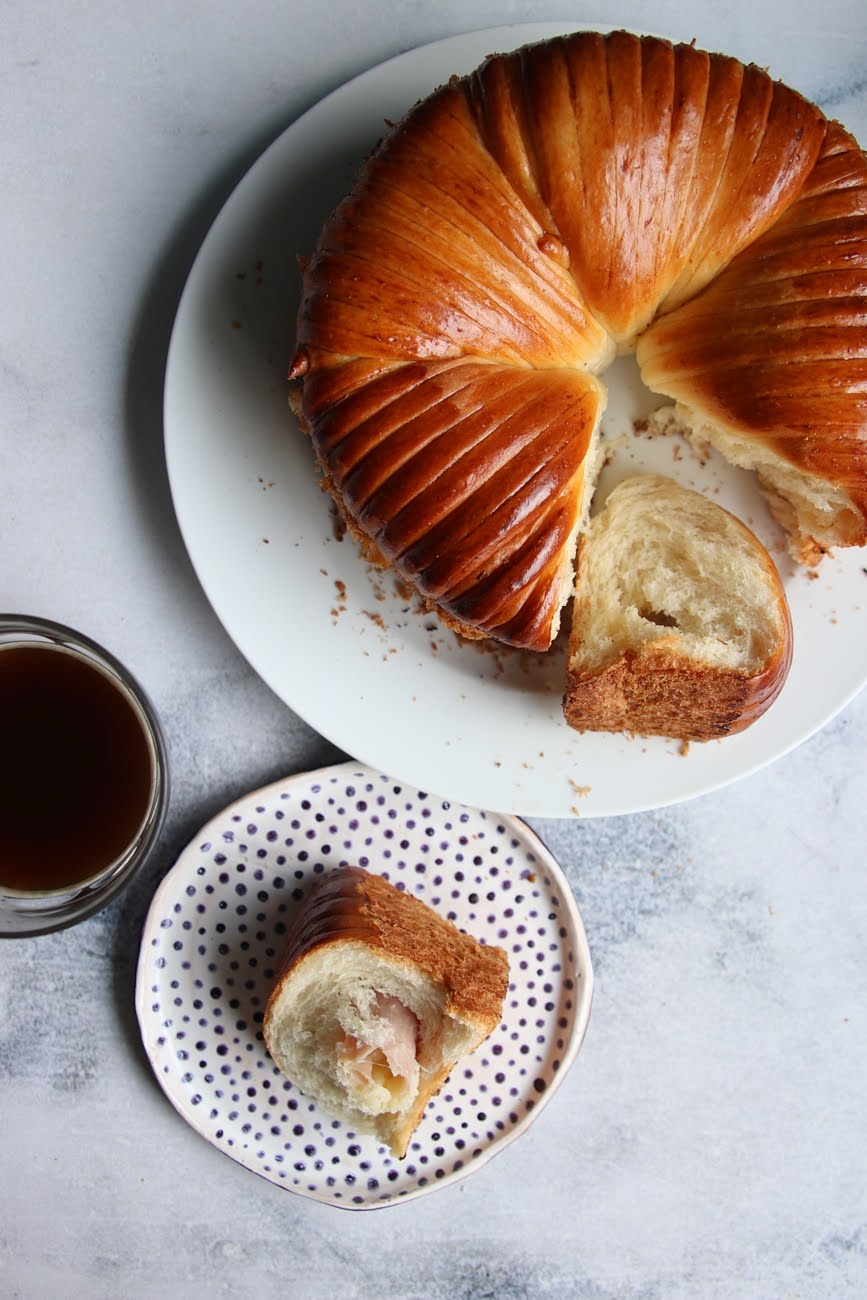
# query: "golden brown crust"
x,y
353,905
513,228
433,255
776,347
654,692
655,163
468,477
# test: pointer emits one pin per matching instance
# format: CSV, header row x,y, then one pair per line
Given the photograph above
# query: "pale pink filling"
x,y
395,1053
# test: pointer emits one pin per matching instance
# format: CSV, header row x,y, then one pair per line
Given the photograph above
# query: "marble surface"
x,y
712,1137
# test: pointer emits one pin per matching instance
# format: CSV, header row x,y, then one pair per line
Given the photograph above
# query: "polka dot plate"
x,y
214,934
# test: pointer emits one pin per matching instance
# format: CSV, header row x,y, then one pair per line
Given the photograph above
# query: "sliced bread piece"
x,y
680,625
377,998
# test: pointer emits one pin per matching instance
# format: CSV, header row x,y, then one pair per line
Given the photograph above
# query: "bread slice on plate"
x,y
680,624
377,998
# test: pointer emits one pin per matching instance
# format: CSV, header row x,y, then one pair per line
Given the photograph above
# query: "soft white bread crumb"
x,y
815,514
680,625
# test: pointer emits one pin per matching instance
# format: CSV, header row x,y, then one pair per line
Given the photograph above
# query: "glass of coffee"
x,y
83,776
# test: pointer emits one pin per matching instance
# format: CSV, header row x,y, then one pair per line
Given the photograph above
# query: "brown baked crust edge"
x,y
653,692
370,552
353,905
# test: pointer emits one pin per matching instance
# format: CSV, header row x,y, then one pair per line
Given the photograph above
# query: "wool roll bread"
x,y
579,198
376,999
681,627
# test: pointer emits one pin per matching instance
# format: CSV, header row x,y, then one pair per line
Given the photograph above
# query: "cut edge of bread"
x,y
326,1002
815,514
680,625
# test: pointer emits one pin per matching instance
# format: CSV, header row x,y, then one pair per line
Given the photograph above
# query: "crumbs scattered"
x,y
265,484
683,748
260,266
504,656
376,618
610,447
665,423
338,523
340,607
582,790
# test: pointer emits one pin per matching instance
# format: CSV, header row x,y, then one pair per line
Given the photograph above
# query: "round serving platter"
x,y
345,646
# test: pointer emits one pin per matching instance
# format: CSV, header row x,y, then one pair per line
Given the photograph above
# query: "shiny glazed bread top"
x,y
351,904
513,232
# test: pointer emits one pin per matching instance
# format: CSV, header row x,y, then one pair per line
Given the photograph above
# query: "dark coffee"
x,y
76,769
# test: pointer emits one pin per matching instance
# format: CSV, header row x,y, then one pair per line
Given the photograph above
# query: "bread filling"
x,y
376,1059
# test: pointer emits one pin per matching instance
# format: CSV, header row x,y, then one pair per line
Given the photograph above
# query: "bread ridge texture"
x,y
789,402
356,940
682,628
520,226
358,905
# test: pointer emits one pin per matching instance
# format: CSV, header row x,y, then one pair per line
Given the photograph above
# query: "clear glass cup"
x,y
32,910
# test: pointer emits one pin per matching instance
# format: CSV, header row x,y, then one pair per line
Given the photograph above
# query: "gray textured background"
x,y
710,1140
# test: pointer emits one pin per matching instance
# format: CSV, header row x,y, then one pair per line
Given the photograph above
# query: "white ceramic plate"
x,y
343,646
215,929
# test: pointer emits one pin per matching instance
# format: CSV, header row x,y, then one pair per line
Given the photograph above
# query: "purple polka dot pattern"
x,y
215,931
